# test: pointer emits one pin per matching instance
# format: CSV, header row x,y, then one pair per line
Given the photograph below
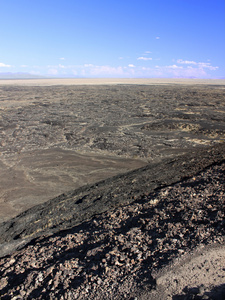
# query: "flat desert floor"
x,y
59,134
110,81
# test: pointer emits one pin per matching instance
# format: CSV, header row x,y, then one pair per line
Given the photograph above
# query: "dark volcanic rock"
x,y
57,138
82,204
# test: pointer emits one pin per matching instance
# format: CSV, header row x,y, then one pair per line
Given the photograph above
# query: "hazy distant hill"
x,y
19,75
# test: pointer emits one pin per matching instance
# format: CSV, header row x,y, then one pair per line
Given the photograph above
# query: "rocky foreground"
x,y
167,243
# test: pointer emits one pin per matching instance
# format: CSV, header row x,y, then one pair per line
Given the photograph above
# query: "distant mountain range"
x,y
19,75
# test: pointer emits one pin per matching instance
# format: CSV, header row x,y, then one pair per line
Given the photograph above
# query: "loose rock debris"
x,y
117,253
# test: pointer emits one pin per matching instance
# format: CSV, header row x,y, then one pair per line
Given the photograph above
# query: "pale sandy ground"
x,y
99,81
37,176
200,270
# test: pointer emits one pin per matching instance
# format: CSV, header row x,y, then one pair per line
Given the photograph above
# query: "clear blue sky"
x,y
113,38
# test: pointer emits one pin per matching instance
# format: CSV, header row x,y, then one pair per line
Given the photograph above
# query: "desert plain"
x,y
55,138
60,139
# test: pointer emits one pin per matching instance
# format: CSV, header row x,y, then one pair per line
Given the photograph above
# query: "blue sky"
x,y
114,38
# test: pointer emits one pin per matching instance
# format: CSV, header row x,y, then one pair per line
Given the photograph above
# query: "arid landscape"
x,y
59,137
117,159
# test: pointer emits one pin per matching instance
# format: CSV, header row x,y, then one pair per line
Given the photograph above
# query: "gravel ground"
x,y
122,254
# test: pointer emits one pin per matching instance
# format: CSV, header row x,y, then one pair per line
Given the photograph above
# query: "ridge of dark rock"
x,y
73,208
